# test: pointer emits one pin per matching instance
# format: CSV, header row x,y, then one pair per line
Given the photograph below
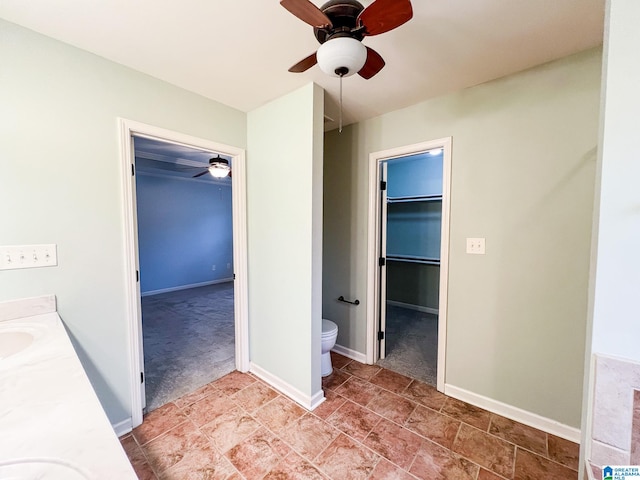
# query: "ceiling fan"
x,y
340,26
218,168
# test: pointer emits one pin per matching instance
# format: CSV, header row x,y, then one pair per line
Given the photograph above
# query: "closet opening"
x,y
408,245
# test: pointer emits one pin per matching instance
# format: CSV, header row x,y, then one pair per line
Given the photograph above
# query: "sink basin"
x,y
13,342
41,469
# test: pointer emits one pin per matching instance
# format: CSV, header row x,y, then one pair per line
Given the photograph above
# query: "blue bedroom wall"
x,y
184,228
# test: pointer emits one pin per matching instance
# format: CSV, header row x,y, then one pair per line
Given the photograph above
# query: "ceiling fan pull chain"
x,y
340,121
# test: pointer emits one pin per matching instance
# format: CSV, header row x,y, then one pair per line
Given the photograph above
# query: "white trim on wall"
x,y
185,287
373,293
128,129
306,401
514,413
352,354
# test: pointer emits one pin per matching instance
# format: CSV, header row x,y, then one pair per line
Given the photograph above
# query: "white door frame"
x,y
373,249
128,129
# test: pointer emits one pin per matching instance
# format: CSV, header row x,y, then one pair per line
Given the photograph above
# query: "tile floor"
x,y
374,424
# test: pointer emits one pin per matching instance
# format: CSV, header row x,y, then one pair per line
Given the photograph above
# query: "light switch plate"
x,y
27,256
475,246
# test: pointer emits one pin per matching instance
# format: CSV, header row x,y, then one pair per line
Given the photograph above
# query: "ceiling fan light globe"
x,y
218,170
341,53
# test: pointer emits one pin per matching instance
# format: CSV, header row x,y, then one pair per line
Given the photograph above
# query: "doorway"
x,y
185,251
408,248
130,131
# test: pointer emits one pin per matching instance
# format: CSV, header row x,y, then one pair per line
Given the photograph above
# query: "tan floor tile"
x,y
470,414
206,410
530,466
230,428
198,464
144,471
424,394
309,436
360,370
487,475
158,422
522,435
435,462
339,361
294,467
170,448
354,420
385,470
254,396
346,459
393,442
196,395
234,382
433,425
332,402
279,413
486,450
391,381
564,451
258,454
260,434
333,381
358,390
391,406
137,458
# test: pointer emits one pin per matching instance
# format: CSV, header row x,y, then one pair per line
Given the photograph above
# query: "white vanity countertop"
x,y
52,425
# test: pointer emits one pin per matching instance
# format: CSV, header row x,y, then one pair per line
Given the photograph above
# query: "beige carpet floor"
x,y
412,343
189,340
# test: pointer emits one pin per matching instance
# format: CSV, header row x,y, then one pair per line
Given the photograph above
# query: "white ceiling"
x,y
238,51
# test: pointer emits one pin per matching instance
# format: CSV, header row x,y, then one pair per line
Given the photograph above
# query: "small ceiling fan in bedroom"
x,y
340,26
218,168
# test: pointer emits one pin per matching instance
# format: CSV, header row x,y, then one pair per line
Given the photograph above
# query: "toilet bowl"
x,y
329,335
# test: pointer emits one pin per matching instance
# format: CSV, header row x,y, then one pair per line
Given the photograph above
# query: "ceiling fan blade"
x,y
373,64
384,15
304,64
200,174
307,12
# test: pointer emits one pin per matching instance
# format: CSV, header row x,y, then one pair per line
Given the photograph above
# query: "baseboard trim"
x,y
306,401
123,427
514,413
185,287
352,354
411,306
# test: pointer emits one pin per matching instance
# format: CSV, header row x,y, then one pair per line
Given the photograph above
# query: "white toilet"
x,y
329,335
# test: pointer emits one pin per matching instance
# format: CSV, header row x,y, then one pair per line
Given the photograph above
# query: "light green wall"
x,y
284,209
523,167
60,182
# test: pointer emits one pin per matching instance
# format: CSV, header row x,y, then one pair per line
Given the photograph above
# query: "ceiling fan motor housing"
x,y
343,15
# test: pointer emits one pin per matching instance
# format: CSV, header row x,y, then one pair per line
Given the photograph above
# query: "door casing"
x,y
129,129
374,251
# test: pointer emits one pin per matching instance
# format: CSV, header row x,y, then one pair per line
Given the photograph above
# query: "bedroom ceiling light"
x,y
220,168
